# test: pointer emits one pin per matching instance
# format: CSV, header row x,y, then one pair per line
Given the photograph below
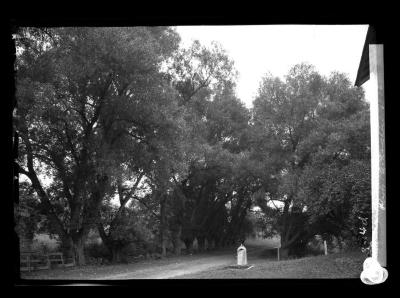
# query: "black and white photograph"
x,y
199,152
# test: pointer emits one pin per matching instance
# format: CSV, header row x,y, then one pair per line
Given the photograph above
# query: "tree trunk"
x,y
116,254
283,253
78,249
201,242
163,242
189,244
284,235
285,245
176,240
67,246
340,242
212,244
163,227
106,240
292,242
219,243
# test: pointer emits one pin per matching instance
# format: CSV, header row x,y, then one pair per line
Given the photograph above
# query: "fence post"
x,y
278,253
48,261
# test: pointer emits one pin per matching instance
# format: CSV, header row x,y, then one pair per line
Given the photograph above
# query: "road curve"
x,y
184,266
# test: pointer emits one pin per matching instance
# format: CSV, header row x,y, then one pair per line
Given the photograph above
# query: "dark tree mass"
x,y
123,133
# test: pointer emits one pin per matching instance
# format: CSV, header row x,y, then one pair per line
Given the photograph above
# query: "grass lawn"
x,y
340,265
217,265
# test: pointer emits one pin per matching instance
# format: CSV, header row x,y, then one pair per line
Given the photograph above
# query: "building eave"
x,y
363,69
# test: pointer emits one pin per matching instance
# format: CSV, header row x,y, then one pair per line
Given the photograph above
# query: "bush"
x,y
315,247
269,253
44,244
97,251
299,249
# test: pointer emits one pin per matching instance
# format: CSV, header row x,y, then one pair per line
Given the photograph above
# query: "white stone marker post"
x,y
241,256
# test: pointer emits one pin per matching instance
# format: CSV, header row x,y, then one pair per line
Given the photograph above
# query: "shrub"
x,y
97,250
44,244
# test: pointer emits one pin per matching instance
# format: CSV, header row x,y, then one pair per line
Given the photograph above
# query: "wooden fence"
x,y
36,261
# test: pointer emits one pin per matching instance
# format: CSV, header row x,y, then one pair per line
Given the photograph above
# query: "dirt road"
x,y
160,269
185,267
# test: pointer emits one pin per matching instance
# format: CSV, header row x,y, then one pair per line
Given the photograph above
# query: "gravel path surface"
x,y
176,269
153,269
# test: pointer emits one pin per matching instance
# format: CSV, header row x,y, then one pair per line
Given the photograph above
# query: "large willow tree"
x,y
93,108
312,133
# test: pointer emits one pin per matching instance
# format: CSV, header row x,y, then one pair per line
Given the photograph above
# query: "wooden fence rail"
x,y
37,261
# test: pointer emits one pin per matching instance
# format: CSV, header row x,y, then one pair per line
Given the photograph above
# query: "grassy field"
x,y
216,265
340,265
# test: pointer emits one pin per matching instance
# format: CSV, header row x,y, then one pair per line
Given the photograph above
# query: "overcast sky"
x,y
258,49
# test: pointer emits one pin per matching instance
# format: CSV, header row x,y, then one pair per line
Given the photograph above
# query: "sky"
x,y
258,49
